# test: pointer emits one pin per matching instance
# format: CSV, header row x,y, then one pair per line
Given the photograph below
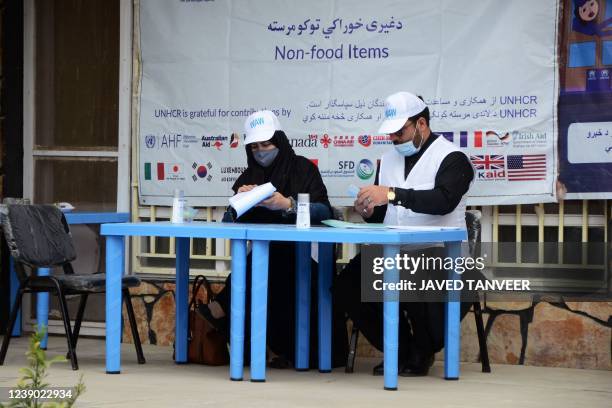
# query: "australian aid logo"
x,y
489,167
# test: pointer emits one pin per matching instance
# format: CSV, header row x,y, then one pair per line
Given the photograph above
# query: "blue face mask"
x,y
265,157
407,149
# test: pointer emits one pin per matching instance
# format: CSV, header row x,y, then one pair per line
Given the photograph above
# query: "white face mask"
x,y
265,157
408,149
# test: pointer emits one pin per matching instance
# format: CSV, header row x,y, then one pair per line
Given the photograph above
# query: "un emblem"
x,y
150,141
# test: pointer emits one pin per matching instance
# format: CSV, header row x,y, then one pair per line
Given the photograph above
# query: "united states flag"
x,y
488,162
527,167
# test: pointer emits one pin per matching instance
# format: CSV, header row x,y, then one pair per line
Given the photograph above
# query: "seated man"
x,y
422,181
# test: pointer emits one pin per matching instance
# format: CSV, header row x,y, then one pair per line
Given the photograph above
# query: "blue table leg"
x,y
181,299
14,283
259,310
452,332
114,272
42,309
238,299
302,305
391,322
326,259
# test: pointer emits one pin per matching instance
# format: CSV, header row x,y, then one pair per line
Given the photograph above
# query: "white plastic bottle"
x,y
178,207
303,211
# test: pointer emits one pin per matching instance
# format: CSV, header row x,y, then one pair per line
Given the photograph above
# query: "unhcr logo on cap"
x,y
256,122
390,112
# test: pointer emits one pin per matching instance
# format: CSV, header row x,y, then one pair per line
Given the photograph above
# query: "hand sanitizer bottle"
x,y
303,211
178,207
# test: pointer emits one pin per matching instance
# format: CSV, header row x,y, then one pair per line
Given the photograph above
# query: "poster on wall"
x,y
488,74
585,102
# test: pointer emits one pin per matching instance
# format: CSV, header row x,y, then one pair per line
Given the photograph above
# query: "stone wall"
x,y
575,335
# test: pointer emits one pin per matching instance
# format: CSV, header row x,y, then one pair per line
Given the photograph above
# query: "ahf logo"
x,y
390,112
256,122
150,141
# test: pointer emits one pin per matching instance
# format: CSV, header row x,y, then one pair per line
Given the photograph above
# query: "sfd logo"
x,y
346,165
365,170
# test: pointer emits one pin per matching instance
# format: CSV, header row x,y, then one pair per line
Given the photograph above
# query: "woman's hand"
x,y
246,187
276,202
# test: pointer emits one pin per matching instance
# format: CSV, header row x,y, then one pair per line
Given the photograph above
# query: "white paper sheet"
x,y
243,202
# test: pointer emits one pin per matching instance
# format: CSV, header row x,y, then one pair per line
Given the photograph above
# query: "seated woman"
x,y
271,158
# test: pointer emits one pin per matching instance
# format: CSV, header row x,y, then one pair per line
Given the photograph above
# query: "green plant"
x,y
33,378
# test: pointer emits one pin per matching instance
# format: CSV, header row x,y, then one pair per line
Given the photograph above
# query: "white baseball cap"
x,y
260,126
398,108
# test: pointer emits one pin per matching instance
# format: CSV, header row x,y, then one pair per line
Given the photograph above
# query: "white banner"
x,y
487,71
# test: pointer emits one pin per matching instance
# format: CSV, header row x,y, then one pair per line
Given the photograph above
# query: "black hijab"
x,y
289,173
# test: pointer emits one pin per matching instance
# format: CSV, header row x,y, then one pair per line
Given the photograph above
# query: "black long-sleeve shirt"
x,y
452,181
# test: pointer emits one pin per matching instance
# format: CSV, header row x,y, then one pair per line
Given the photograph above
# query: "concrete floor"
x,y
161,383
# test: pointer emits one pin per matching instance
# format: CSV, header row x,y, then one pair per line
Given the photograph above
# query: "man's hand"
x,y
246,187
276,202
363,209
370,197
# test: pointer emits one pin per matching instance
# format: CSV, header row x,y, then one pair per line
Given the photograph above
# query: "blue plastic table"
x,y
115,236
325,236
261,235
42,298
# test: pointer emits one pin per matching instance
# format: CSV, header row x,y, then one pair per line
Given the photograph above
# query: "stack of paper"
x,y
243,202
344,224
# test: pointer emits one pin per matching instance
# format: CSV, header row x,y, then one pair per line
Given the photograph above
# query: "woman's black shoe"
x,y
379,369
280,362
418,368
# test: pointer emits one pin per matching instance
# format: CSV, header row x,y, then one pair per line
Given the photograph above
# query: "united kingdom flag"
x,y
488,162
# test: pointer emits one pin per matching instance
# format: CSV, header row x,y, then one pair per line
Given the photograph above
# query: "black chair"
x,y
472,221
38,237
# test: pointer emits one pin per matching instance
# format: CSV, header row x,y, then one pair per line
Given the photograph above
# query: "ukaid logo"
x,y
365,140
489,167
390,112
201,171
365,169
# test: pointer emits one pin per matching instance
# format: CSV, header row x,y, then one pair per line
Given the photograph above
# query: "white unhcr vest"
x,y
421,177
